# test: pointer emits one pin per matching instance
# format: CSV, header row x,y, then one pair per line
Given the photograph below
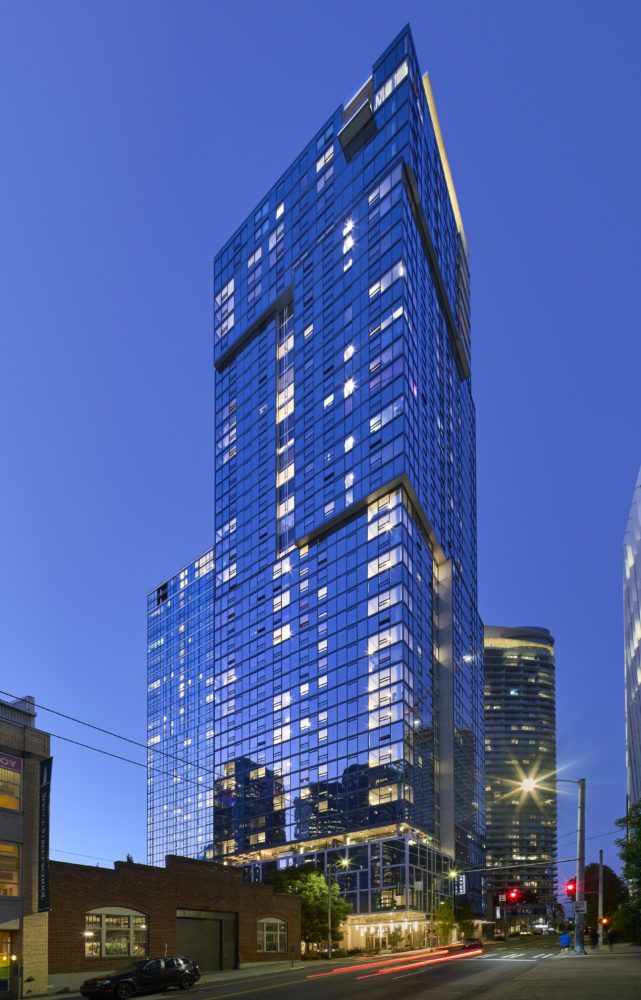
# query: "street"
x,y
460,975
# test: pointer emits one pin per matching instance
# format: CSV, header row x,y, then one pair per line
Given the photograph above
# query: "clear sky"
x,y
134,138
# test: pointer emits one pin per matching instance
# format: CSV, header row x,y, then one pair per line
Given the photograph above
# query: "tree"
x,y
613,893
394,938
628,918
465,918
311,885
445,921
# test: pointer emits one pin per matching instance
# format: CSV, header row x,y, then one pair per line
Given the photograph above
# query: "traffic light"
x,y
513,895
570,888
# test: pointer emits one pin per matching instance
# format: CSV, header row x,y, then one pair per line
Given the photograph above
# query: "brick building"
x,y
100,918
23,930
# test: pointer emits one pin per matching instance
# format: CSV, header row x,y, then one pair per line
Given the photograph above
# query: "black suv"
x,y
153,975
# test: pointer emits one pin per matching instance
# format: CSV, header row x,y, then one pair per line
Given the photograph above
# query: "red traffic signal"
x,y
513,895
570,888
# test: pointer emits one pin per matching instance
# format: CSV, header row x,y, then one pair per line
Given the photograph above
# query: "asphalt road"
x,y
460,975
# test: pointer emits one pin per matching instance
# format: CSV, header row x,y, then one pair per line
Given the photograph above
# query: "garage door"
x,y
207,937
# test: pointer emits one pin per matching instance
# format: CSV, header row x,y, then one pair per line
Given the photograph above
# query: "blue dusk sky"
x,y
135,138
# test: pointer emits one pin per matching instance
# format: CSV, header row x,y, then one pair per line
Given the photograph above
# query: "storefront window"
x,y
272,935
9,869
10,781
5,960
111,933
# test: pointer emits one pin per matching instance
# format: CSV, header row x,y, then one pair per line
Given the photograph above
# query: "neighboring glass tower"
x,y
520,743
632,644
180,693
347,714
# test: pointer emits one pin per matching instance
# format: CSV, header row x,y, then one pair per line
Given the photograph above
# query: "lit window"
x,y
286,507
322,681
322,593
329,508
255,257
115,934
322,735
348,263
308,331
348,243
328,400
280,210
281,734
282,634
281,600
347,228
322,646
285,475
304,725
11,778
324,159
272,935
349,443
349,387
349,352
390,84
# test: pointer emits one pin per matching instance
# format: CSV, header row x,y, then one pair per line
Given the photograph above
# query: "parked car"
x,y
151,975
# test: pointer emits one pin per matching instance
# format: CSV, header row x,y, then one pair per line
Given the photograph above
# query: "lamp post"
x,y
343,863
528,785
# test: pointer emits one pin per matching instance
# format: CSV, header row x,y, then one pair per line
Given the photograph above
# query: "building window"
x,y
272,935
10,782
9,869
115,931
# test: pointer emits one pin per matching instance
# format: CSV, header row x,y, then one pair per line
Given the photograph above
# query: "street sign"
x,y
459,885
502,897
581,906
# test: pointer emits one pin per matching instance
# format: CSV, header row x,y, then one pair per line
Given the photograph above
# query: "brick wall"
x,y
184,884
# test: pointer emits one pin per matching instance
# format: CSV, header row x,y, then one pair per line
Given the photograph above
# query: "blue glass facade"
x,y
180,694
347,644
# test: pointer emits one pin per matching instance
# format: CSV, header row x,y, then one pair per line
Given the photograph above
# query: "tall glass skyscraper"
x,y
632,644
520,743
347,715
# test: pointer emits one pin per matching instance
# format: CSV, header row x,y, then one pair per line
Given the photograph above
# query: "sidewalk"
x,y
604,975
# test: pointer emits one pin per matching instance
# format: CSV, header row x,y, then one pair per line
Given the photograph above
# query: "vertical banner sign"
x,y
44,896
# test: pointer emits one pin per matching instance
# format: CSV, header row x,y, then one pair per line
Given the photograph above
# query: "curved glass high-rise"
x,y
520,743
347,696
632,643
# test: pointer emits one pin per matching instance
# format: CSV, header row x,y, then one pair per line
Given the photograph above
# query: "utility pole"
x,y
600,898
579,915
329,913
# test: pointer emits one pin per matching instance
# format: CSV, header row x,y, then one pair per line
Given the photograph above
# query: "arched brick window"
x,y
112,931
272,935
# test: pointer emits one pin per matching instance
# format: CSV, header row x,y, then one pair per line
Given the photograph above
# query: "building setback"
x,y
342,714
520,743
632,644
102,918
23,930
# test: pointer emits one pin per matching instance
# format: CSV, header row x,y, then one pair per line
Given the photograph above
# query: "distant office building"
x,y
23,930
520,743
346,720
632,643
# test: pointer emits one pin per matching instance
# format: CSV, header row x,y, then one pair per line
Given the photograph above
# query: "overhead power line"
x,y
117,736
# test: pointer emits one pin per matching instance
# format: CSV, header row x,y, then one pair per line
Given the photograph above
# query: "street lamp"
x,y
529,785
343,863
